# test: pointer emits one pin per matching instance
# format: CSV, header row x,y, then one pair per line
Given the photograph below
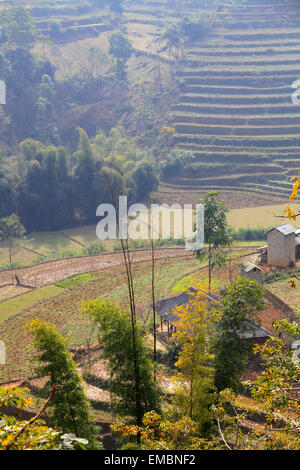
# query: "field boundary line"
x,y
108,253
279,303
73,240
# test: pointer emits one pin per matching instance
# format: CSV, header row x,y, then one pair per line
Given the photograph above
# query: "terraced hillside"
x,y
235,110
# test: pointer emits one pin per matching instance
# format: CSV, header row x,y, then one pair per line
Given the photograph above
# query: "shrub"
x,y
93,249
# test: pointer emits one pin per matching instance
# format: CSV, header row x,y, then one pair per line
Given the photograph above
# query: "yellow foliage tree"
x,y
289,212
24,435
193,381
158,434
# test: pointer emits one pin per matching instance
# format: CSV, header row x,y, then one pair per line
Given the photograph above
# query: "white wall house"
x,y
281,246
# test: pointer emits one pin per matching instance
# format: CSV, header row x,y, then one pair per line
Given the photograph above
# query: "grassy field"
x,y
290,296
24,301
265,216
8,292
60,304
63,310
40,246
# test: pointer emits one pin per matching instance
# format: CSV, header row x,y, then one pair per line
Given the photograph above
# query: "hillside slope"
x,y
235,109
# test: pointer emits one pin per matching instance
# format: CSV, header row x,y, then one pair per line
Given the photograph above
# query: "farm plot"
x,y
63,311
265,216
54,271
235,199
290,296
236,97
23,301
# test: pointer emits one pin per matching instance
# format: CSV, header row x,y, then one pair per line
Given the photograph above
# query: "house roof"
x,y
286,229
248,267
254,331
164,309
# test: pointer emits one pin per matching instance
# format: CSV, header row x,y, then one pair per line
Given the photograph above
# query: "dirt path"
x,y
53,271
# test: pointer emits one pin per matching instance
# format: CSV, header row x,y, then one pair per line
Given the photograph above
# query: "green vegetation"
x,y
80,184
69,408
78,280
23,302
216,233
106,98
11,229
132,388
239,306
192,280
121,48
249,234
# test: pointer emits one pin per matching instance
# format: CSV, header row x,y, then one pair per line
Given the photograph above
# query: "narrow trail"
x,y
48,272
58,270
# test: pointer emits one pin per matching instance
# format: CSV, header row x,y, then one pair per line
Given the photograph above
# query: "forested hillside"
x,y
115,333
203,89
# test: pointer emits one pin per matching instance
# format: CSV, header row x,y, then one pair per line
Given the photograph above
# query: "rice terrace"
x,y
135,339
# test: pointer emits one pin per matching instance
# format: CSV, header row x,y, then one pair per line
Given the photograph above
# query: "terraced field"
x,y
235,108
234,111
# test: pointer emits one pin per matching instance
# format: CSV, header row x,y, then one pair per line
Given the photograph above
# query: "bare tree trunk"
x,y
127,261
154,309
209,267
230,265
10,247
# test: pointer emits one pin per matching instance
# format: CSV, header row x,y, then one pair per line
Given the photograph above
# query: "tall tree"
x,y
84,178
70,410
121,48
239,306
173,37
18,26
143,180
7,196
216,233
124,353
194,378
11,229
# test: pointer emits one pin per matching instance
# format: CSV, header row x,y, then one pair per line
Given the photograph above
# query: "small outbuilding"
x,y
165,308
251,271
254,334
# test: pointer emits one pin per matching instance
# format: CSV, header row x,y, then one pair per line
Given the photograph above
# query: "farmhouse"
x,y
297,244
254,334
283,246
